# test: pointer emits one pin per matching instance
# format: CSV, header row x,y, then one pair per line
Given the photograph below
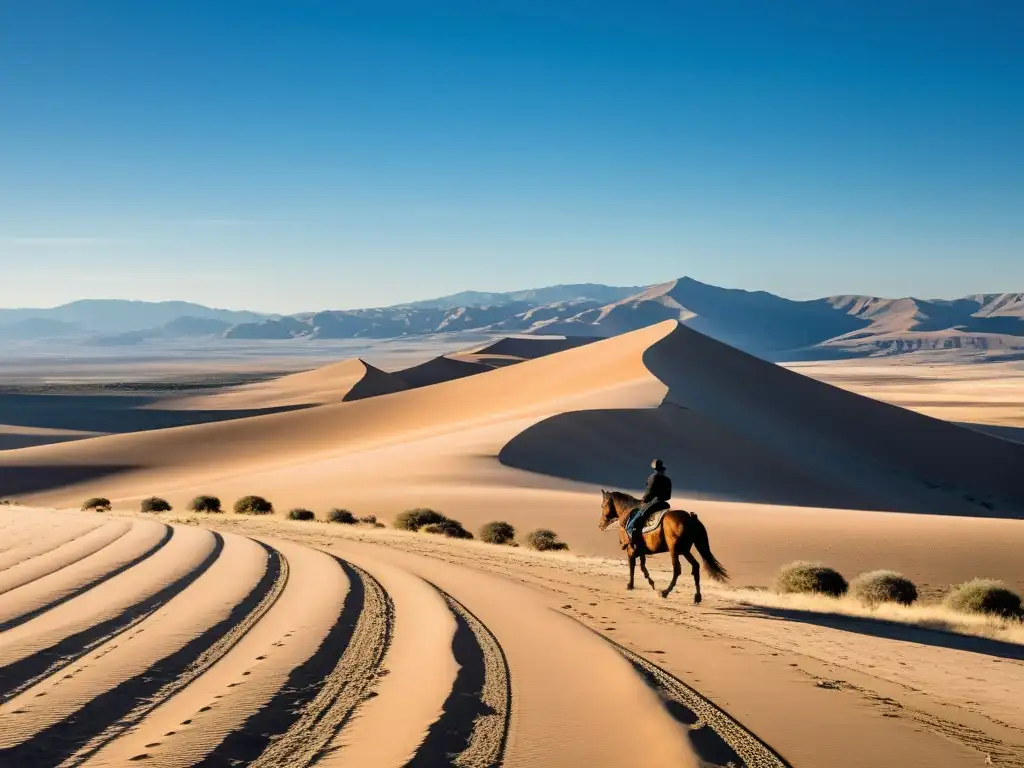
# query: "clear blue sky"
x,y
303,155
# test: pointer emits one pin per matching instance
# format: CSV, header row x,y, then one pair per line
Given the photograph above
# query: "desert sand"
x,y
182,639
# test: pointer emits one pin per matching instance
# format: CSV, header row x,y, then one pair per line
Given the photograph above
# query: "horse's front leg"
x,y
632,569
643,570
676,570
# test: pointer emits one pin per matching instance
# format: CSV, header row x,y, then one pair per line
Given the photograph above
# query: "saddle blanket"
x,y
653,521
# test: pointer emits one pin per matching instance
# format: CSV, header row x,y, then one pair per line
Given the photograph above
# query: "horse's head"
x,y
608,511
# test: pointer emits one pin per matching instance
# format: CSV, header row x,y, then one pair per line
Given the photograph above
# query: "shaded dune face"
x,y
734,427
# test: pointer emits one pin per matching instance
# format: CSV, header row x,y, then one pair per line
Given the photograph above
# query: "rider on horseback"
x,y
659,491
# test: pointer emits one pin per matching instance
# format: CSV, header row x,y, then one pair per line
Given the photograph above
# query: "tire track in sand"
x,y
81,590
473,728
718,740
66,555
321,694
26,672
104,718
24,548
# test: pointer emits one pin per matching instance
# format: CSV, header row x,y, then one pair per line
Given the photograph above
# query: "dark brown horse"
x,y
679,530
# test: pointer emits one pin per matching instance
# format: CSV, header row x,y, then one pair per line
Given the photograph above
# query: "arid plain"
x,y
179,639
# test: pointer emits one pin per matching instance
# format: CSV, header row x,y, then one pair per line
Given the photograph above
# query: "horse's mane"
x,y
625,497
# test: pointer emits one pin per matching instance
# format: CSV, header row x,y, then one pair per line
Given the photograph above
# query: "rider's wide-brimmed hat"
x,y
657,464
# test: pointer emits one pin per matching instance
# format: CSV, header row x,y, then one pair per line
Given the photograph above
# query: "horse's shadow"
x,y
883,628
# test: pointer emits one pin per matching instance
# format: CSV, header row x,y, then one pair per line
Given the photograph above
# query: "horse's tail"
x,y
699,535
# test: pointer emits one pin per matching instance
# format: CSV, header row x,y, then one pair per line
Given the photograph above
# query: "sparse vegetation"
x,y
205,504
545,540
498,532
451,528
414,519
341,516
810,578
300,513
95,504
985,596
369,520
155,504
253,505
878,587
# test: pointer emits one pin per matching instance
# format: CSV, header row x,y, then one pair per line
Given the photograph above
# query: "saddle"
x,y
654,517
650,515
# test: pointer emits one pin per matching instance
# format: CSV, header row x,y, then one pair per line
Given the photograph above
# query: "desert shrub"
x,y
369,520
451,528
544,540
205,504
414,519
299,513
96,504
498,532
803,577
341,516
253,505
883,587
985,596
155,504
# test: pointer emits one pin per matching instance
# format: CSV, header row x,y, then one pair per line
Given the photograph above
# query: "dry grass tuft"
x,y
545,540
300,513
498,532
878,587
810,578
343,516
209,504
414,519
253,505
985,596
155,504
451,528
936,617
96,504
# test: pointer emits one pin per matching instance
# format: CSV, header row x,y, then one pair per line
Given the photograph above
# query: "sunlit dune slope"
x,y
611,374
339,382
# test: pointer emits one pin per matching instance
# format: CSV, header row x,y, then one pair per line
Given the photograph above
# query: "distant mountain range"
x,y
762,323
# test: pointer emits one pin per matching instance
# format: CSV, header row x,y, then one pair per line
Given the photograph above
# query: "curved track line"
x,y
107,716
19,620
322,694
24,542
716,737
26,672
38,570
473,728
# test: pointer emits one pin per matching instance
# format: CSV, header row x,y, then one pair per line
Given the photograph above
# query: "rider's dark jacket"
x,y
658,487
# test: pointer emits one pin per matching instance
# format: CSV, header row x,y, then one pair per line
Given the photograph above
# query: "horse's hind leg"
x,y
643,570
632,569
695,570
676,570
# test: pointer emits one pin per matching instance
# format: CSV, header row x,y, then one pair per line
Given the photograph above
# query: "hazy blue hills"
x,y
762,323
